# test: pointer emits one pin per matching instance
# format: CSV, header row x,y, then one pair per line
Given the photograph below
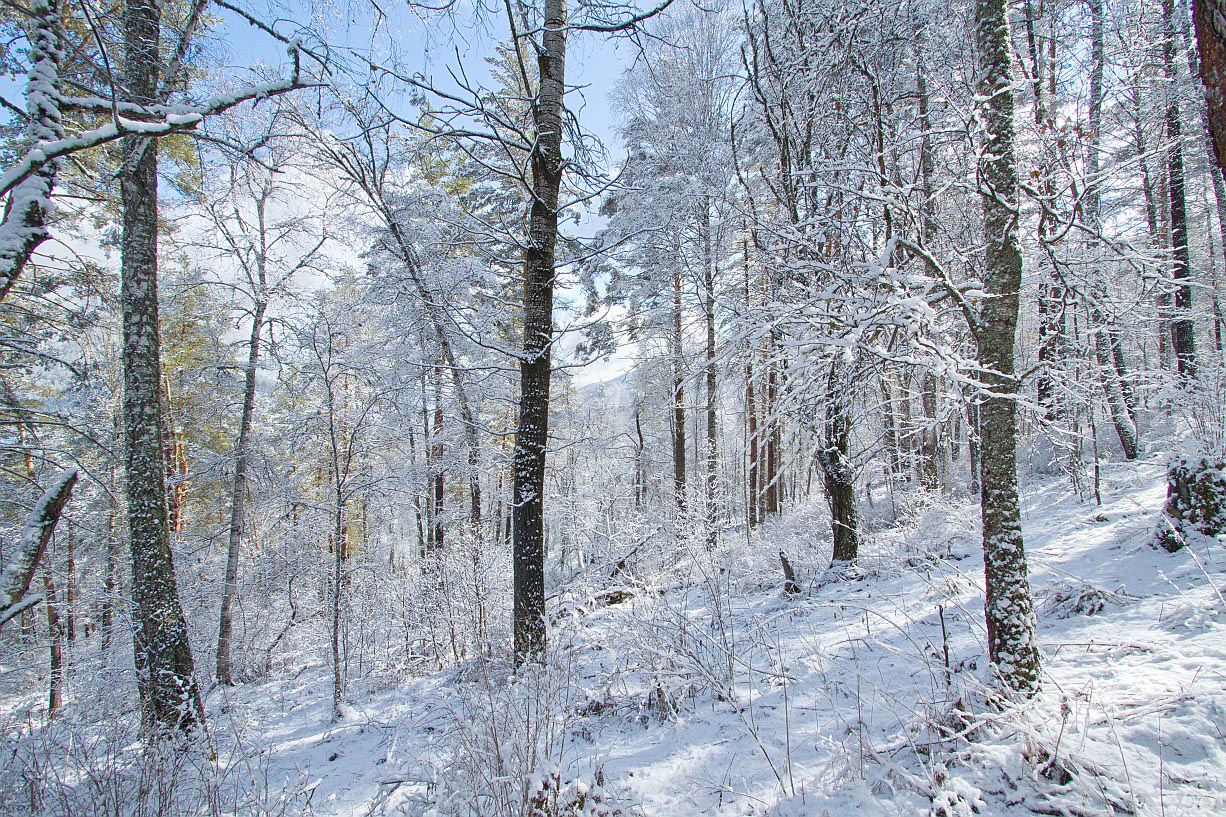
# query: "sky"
x,y
434,47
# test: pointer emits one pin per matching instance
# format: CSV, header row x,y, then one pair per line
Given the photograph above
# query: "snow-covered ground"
x,y
711,692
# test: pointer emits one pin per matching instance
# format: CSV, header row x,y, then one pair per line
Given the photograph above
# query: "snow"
x,y
17,572
833,701
710,692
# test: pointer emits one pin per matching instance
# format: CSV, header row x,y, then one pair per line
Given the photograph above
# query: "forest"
x,y
533,408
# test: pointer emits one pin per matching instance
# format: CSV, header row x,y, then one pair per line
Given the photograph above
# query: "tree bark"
x,y
1209,20
710,484
837,469
678,425
930,475
1009,610
1183,340
1106,342
40,525
163,657
535,364
55,628
238,500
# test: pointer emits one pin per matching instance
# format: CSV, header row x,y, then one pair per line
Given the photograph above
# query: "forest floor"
x,y
704,689
865,693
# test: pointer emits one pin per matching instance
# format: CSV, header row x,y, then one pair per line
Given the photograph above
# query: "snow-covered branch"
x,y
40,524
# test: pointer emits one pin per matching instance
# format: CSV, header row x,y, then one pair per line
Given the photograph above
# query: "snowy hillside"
x,y
709,691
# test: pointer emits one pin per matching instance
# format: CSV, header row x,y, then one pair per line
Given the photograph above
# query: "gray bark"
x,y
1009,610
238,501
163,658
710,517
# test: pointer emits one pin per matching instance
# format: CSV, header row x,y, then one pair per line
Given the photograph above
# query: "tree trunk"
x,y
678,425
238,500
163,656
1106,343
839,476
770,427
710,484
535,364
1009,610
55,628
1209,19
40,524
436,451
1183,341
930,475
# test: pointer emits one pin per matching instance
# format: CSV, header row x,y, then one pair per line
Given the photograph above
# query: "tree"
x,y
1183,338
269,250
1012,645
1209,19
670,215
165,670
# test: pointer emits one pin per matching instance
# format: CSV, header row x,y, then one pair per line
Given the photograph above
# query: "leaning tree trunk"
x,y
238,502
1106,344
1009,609
163,656
535,363
40,524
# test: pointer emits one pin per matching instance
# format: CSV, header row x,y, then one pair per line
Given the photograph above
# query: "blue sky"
x,y
595,62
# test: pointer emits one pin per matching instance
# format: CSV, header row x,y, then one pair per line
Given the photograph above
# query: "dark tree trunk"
x,y
163,656
839,476
55,628
1209,19
753,494
930,475
770,433
1183,341
1009,610
439,489
678,424
710,515
535,364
